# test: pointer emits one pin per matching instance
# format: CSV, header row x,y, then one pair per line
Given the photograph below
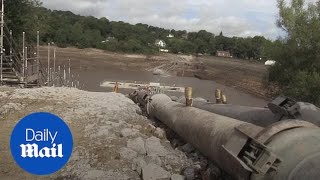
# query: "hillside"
x,y
66,29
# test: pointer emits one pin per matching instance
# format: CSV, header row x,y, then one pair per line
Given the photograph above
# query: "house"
x,y
270,63
109,38
160,43
164,50
223,54
170,36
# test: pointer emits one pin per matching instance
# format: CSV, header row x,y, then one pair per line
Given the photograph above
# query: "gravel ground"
x,y
111,139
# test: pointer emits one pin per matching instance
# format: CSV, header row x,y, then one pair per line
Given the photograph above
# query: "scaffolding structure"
x,y
22,65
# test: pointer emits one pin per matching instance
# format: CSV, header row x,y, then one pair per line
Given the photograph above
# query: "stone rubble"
x,y
154,172
154,147
176,177
126,132
128,154
160,133
111,140
188,148
137,145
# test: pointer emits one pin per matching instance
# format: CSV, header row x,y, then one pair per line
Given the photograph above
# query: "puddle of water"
x,y
201,88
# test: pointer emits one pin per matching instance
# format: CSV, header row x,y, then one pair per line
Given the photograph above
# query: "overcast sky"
x,y
233,17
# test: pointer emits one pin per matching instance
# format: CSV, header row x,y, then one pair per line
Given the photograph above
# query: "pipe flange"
x,y
267,133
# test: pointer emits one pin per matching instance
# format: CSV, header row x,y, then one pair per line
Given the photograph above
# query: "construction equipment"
x,y
287,149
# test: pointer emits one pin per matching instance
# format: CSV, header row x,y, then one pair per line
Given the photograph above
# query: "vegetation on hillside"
x,y
64,28
297,72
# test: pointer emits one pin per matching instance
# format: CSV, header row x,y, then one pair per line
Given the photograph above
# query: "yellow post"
x,y
218,95
224,99
188,95
116,88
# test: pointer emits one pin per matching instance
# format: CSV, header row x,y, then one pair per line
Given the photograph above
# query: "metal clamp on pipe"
x,y
284,150
249,146
253,155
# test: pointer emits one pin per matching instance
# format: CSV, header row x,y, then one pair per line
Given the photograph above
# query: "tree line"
x,y
65,28
296,73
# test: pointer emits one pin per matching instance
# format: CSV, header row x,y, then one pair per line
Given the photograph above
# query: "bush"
x,y
297,71
296,78
305,86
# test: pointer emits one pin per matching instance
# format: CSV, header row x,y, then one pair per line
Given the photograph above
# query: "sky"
x,y
233,17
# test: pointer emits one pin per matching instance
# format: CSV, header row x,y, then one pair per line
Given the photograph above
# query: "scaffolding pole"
x,y
64,75
50,74
26,58
48,69
69,73
11,38
54,66
59,75
54,60
38,57
1,39
23,55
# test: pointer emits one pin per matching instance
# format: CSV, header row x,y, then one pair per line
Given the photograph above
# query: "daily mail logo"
x,y
32,150
41,143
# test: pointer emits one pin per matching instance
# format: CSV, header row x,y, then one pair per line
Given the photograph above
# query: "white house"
x,y
170,36
270,63
164,50
110,38
160,43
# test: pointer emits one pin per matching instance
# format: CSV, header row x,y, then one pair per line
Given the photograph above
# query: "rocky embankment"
x,y
111,139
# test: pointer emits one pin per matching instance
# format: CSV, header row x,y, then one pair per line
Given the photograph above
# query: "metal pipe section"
x,y
259,116
243,150
206,131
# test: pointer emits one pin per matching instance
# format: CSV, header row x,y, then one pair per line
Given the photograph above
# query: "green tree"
x,y
68,29
19,16
298,67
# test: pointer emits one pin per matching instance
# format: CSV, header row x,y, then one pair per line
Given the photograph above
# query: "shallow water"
x,y
201,88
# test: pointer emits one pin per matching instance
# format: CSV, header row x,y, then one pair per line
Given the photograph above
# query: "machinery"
x,y
287,149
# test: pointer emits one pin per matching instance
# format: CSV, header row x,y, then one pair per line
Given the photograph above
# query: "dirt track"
x,y
241,74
